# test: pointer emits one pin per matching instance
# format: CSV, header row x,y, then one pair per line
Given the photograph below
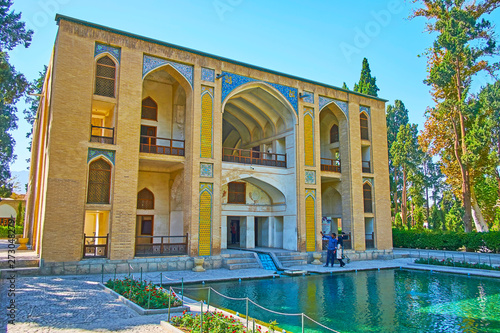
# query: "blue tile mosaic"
x,y
310,177
308,97
206,170
101,48
323,101
209,89
365,109
206,187
109,154
232,81
150,63
207,74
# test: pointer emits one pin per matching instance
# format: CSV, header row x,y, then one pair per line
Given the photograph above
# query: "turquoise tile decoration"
x,y
310,177
109,154
150,63
324,101
102,48
207,74
206,170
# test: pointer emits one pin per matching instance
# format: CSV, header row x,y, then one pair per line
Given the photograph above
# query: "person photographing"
x,y
332,247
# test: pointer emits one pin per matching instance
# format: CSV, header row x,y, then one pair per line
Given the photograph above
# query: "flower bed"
x,y
213,322
451,262
146,295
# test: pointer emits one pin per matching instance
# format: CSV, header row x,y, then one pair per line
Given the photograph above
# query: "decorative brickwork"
x,y
204,248
206,122
309,136
310,220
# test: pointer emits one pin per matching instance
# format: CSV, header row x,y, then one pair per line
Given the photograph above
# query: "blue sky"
x,y
322,40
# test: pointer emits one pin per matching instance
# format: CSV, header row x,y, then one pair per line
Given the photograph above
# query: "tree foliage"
x,y
463,43
367,84
12,86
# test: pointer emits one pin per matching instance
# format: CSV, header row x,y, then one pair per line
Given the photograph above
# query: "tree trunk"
x,y
481,225
395,193
403,201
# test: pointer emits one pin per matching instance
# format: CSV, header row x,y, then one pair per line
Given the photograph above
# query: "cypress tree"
x,y
367,84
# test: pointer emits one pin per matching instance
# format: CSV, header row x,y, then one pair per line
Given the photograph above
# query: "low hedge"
x,y
4,231
447,240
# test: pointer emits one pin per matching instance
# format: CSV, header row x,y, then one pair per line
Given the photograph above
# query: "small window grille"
x,y
363,124
334,134
105,77
145,199
236,193
367,198
149,109
99,182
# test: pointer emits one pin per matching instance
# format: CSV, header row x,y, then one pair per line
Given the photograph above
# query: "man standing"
x,y
332,246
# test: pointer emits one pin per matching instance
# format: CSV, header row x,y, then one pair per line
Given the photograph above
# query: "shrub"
x,y
212,322
447,240
146,295
451,262
4,231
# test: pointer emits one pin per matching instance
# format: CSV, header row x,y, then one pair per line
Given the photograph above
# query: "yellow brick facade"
x,y
219,121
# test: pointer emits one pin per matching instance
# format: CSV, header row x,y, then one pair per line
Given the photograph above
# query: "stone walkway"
x,y
76,304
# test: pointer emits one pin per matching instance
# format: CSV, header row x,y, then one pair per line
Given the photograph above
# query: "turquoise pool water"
x,y
369,301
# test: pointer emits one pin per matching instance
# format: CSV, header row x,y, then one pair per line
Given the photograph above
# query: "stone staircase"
x,y
288,259
20,262
240,260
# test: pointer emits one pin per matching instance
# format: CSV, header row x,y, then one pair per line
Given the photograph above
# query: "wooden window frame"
x,y
334,137
141,225
89,183
105,78
364,129
145,200
367,198
149,107
229,197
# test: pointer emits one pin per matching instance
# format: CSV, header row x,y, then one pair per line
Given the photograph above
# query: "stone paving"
x,y
76,303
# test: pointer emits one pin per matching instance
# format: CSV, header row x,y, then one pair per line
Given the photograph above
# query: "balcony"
x,y
95,246
146,246
365,167
163,146
102,134
328,164
248,156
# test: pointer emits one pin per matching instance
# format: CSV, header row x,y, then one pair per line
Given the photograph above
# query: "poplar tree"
x,y
464,40
367,84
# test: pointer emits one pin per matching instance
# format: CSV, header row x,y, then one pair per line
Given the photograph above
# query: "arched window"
x,y
145,199
367,198
149,109
105,76
334,133
99,182
363,124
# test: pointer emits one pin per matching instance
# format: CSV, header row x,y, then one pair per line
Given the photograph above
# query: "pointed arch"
x,y
364,125
367,197
149,109
181,79
145,199
99,181
105,76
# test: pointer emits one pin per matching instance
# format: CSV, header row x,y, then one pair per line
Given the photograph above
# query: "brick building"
x,y
144,148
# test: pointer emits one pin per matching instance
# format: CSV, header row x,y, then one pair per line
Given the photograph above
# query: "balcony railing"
x,y
365,166
146,246
248,156
95,246
328,164
163,146
370,240
102,134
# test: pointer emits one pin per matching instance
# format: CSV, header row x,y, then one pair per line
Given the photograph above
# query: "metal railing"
x,y
163,146
146,246
328,164
370,240
102,134
366,167
248,156
95,246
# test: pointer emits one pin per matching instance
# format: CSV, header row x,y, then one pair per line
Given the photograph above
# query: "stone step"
x,y
32,263
239,260
243,266
293,257
238,255
288,263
